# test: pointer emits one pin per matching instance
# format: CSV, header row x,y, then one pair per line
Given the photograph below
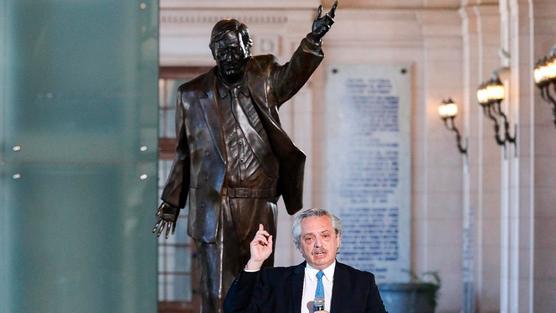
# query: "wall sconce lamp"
x,y
545,78
448,110
490,95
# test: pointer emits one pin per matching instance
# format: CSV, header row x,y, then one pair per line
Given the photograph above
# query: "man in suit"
x,y
233,159
300,289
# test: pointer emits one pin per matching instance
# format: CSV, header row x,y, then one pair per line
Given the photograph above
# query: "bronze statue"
x,y
233,158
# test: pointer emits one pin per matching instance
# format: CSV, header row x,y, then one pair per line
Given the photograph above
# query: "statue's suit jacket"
x,y
199,169
280,290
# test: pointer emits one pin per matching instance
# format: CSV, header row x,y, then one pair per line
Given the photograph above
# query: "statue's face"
x,y
231,56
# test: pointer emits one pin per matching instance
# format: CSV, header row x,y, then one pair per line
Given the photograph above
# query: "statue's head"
x,y
231,47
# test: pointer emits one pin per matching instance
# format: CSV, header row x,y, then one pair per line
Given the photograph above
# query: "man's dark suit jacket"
x,y
280,289
199,168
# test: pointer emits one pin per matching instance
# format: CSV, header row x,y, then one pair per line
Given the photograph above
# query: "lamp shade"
x,y
551,69
447,109
495,90
540,73
482,96
544,75
545,71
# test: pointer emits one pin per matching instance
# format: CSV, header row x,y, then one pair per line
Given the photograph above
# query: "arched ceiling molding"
x,y
396,4
465,3
239,4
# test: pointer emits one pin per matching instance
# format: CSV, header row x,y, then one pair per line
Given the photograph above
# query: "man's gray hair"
x,y
300,216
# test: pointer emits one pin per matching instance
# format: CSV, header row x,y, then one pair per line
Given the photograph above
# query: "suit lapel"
x,y
209,106
296,283
340,287
257,84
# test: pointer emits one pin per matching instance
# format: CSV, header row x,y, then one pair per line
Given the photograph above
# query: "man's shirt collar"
x,y
311,272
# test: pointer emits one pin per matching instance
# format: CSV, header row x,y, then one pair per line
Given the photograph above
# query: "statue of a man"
x,y
233,159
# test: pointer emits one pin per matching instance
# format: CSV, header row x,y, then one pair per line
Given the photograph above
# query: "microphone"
x,y
318,304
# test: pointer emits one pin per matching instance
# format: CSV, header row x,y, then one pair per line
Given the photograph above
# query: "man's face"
x,y
231,55
319,242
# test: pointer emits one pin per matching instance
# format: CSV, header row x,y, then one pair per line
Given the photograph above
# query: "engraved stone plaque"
x,y
368,178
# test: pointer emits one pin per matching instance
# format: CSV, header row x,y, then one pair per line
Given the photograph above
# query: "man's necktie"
x,y
319,293
318,303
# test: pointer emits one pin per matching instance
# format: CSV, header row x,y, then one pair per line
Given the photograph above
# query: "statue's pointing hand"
x,y
322,24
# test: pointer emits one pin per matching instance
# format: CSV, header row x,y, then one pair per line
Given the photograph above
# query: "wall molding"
x,y
174,17
239,4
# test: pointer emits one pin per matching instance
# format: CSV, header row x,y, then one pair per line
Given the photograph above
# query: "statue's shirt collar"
x,y
224,89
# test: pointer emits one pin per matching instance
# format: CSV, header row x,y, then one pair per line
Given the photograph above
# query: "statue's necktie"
x,y
242,120
252,136
319,292
255,141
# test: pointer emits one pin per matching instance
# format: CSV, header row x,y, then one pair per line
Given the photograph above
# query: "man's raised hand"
x,y
260,248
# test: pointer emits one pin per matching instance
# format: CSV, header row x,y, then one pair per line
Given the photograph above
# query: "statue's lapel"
x,y
258,85
209,106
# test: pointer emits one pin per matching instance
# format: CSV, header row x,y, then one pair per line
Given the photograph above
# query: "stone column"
x,y
441,220
481,36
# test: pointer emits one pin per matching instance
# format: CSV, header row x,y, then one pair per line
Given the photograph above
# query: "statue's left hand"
x,y
322,24
167,218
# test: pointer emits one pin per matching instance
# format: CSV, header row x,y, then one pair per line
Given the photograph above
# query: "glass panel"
x,y
182,288
77,198
174,257
161,257
175,288
183,260
168,88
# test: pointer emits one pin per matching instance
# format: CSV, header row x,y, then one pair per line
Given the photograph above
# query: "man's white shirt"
x,y
310,286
